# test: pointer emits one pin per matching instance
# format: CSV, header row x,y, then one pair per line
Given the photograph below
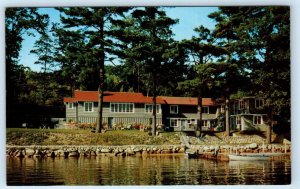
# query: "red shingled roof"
x,y
187,101
69,99
92,96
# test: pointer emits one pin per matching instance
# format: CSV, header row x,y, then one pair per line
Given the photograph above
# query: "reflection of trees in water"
x,y
261,172
212,172
150,170
32,172
137,170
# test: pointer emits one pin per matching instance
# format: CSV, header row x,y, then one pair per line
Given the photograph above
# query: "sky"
x,y
189,18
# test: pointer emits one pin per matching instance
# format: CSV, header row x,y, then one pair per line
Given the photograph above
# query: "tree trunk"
x,y
154,105
227,124
102,78
199,111
270,128
100,101
138,77
100,109
76,111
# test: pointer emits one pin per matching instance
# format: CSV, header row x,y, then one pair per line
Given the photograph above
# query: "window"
x,y
174,109
238,120
205,123
173,122
121,107
88,106
70,105
257,120
149,108
241,104
205,110
259,103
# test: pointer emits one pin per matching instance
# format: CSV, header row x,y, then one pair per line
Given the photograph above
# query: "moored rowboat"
x,y
191,155
252,157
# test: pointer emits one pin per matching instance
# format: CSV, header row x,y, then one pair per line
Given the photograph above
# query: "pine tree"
x,y
94,23
44,49
257,39
148,39
18,22
203,51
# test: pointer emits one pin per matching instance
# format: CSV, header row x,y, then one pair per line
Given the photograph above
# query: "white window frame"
x,y
121,107
158,108
173,112
260,122
205,107
205,123
92,110
259,103
176,120
72,106
242,102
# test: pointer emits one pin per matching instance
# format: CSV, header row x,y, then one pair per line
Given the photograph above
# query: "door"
x,y
110,122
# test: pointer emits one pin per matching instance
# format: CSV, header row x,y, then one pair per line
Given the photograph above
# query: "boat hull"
x,y
191,155
248,157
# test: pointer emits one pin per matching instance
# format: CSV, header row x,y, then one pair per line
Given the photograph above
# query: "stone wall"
x,y
85,151
142,150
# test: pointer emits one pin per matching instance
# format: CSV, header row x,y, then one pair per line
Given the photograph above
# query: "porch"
x,y
190,124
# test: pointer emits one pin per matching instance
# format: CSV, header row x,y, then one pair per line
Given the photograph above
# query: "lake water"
x,y
153,170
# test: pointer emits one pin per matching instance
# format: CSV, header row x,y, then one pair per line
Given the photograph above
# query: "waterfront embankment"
x,y
219,152
77,143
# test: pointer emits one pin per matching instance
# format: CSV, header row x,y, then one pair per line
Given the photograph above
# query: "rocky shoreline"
x,y
85,151
205,151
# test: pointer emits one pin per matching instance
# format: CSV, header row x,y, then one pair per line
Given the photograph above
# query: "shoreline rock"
x,y
140,150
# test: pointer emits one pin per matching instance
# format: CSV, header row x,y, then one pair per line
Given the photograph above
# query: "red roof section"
x,y
188,101
69,99
92,96
131,97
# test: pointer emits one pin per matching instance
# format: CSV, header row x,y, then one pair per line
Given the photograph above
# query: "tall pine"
x,y
148,43
95,24
258,41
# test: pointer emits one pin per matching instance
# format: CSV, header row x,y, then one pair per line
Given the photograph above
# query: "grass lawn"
x,y
17,136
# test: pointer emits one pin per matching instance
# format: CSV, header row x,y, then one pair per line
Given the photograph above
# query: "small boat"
x,y
191,155
249,157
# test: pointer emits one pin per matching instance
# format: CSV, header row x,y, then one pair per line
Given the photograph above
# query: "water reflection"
x,y
156,170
